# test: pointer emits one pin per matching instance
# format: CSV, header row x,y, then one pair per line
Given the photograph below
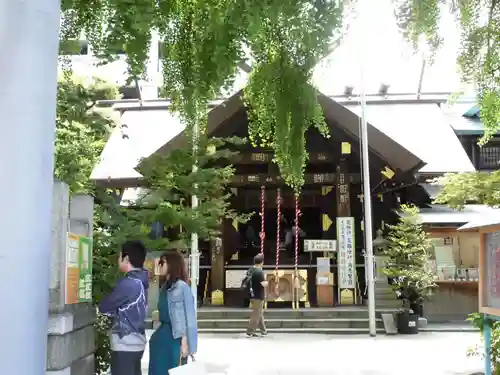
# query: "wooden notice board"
x,y
489,270
489,278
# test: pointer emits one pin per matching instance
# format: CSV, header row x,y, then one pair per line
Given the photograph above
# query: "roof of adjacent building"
x,y
471,213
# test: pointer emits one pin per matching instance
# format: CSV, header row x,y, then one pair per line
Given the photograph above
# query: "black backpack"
x,y
246,283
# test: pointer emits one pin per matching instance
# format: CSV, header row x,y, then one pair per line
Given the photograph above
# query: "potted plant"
x,y
407,253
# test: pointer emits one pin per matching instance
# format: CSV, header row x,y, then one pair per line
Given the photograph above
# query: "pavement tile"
x,y
431,353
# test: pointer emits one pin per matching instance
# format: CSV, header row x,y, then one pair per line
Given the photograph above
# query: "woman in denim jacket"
x,y
177,336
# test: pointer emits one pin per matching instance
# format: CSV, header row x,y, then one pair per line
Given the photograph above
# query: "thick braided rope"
x,y
297,213
278,227
262,214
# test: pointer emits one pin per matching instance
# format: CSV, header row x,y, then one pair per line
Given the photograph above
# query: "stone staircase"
x,y
335,320
385,297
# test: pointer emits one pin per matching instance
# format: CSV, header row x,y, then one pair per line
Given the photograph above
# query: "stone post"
x,y
71,339
29,39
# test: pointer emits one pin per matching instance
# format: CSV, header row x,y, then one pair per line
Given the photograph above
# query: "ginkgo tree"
x,y
203,41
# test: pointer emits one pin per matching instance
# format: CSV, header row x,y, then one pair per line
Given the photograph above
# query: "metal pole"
x,y
487,346
368,211
195,264
29,42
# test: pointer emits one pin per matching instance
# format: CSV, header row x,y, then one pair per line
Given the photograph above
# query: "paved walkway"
x,y
299,354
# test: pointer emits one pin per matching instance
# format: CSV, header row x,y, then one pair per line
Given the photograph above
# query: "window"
x,y
129,92
489,156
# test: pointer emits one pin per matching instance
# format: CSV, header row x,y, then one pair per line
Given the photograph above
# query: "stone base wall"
x,y
452,303
71,341
71,335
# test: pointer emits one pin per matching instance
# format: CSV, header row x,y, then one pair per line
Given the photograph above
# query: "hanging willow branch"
x,y
202,46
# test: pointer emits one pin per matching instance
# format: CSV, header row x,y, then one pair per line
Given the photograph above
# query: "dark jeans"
x,y
126,363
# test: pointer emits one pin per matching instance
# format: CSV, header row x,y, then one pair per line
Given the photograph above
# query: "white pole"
x,y
368,211
29,42
195,263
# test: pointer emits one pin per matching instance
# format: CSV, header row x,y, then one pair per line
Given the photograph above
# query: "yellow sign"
x,y
347,297
217,297
346,148
327,222
388,173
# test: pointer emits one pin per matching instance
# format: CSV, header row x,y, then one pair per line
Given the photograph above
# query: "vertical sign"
x,y
491,270
78,269
85,268
346,252
72,269
343,193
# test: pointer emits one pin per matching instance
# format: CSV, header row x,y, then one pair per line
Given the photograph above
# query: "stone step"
x,y
290,323
337,331
389,305
385,293
305,313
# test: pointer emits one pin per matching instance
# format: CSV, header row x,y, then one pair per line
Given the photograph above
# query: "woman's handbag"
x,y
189,368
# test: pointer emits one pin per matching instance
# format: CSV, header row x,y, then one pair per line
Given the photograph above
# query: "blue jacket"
x,y
127,304
181,308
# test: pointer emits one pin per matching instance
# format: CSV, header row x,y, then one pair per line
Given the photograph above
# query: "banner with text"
x,y
346,252
78,269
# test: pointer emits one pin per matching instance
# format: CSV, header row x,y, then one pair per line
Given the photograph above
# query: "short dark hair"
x,y
258,259
136,252
176,265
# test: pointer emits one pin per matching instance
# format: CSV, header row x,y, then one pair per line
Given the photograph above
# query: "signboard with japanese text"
x,y
491,271
346,252
78,285
489,280
320,245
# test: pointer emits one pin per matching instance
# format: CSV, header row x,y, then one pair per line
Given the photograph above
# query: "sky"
x,y
374,42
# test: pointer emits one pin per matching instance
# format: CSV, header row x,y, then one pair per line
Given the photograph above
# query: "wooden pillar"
x,y
346,257
217,270
324,294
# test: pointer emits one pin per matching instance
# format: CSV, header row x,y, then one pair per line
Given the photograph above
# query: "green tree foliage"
x,y
81,129
81,133
408,253
204,40
170,181
459,189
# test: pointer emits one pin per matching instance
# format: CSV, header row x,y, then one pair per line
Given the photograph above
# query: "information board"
x,y
346,252
491,270
320,245
78,283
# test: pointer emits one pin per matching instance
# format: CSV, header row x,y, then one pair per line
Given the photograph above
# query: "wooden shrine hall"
x,y
325,249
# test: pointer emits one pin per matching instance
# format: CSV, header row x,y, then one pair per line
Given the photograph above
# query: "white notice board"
x,y
346,252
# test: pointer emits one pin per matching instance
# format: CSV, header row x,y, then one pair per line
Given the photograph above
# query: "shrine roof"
x,y
149,127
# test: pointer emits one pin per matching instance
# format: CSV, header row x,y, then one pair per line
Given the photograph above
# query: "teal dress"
x,y
164,350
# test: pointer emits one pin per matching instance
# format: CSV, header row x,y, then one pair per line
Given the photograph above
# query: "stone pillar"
x,y
29,39
71,340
